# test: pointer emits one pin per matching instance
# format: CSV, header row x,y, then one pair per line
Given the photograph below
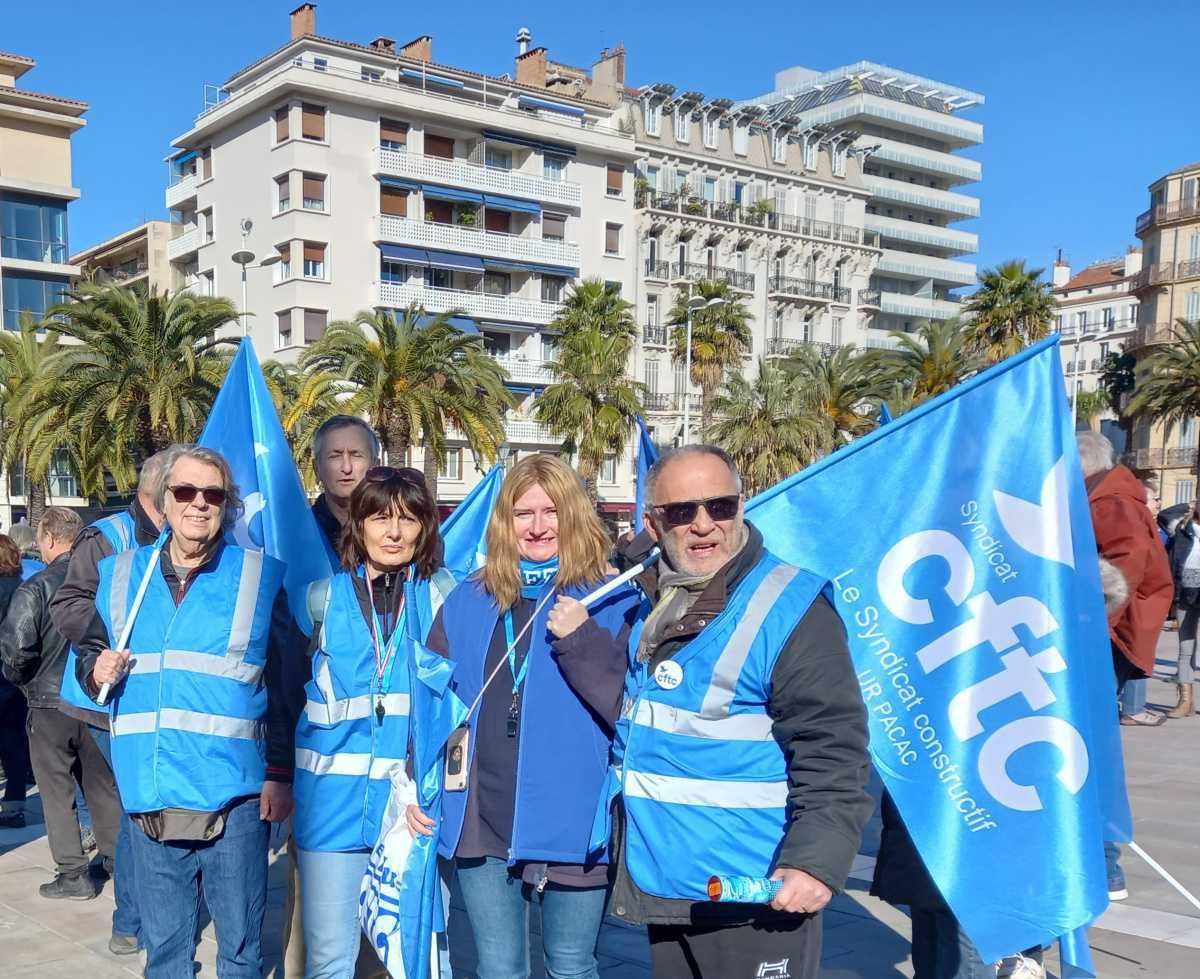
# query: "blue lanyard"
x,y
517,675
384,654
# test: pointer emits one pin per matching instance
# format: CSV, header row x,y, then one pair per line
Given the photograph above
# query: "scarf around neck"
x,y
535,574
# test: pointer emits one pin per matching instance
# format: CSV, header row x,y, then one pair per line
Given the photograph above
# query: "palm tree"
x,y
592,303
838,388
1012,309
720,339
932,362
414,378
1168,379
146,369
764,425
1089,405
304,400
593,402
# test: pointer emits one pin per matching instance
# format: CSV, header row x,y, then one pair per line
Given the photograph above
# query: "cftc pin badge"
x,y
668,674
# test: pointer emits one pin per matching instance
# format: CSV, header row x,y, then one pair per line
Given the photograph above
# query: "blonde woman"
x,y
537,755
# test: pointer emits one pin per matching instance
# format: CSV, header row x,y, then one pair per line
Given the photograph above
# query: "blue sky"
x,y
1087,103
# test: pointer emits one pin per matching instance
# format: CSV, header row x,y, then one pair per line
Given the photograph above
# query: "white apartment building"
x,y
911,128
747,196
381,179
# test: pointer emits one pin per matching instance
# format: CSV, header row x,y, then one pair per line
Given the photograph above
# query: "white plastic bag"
x,y
379,899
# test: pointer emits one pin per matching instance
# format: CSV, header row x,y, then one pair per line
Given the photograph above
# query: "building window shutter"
x,y
393,200
312,125
392,133
616,180
283,328
441,146
281,124
314,191
285,259
612,239
314,324
554,226
285,194
498,221
206,164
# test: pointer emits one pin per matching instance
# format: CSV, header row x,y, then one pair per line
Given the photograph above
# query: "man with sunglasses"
x,y
741,737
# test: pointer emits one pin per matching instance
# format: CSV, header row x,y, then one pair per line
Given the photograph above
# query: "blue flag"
x,y
970,591
646,457
885,413
464,532
245,429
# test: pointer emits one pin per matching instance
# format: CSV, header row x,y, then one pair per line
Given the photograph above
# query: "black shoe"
x,y
123,944
12,820
76,887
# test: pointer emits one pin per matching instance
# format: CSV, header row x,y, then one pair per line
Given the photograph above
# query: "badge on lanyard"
x,y
668,674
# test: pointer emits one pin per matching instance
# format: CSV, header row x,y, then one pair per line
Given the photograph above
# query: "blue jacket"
x,y
562,752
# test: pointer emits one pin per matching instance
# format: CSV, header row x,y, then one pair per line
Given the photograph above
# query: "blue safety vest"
x,y
345,754
704,781
187,722
120,532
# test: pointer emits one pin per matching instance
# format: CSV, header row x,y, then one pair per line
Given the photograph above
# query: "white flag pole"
x,y
123,640
617,582
1162,872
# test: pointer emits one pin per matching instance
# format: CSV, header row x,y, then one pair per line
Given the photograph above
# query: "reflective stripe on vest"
x,y
682,791
173,719
120,592
355,764
352,708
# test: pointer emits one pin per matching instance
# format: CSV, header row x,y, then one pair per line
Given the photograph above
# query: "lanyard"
x,y
384,654
517,675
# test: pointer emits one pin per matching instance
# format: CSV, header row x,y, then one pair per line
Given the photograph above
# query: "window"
x,y
1058,324
612,239
654,119
283,193
438,278
810,207
395,273
608,470
739,192
1183,491
393,135
778,146
835,334
393,200
371,74
777,323
1187,434
314,192
25,292
1106,317
314,324
314,260
839,212
498,159
806,328
497,221
439,146
33,228
1194,247
616,180
208,285
451,467
554,167
61,477
206,164
683,126
710,189
554,227
613,287
681,178
650,375
281,124
440,212
320,64
552,288
549,347
839,161
1193,306
285,261
1104,351
810,154
739,260
652,310
283,329
312,121
497,283
741,139
710,131
496,344
206,224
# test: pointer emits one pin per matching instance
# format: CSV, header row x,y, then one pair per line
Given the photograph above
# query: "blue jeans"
x,y
942,950
126,919
233,872
1112,863
329,887
497,905
1133,698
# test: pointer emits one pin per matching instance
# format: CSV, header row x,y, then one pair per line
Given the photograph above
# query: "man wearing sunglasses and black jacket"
x,y
741,737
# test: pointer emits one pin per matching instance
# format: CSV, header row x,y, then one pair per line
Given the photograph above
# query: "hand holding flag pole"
x,y
123,639
590,599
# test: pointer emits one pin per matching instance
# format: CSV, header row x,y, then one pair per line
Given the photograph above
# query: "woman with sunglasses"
x,y
354,729
536,756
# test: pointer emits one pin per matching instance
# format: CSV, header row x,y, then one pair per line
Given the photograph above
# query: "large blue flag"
x,y
245,429
965,569
464,531
646,457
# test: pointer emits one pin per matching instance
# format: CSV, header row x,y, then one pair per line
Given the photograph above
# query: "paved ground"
x,y
1155,933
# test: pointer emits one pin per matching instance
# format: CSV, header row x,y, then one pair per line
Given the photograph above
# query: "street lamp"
x,y
243,257
1079,340
694,305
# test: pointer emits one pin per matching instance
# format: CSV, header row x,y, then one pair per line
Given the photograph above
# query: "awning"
x,y
461,263
504,263
186,156
536,144
402,253
464,324
419,76
509,327
397,182
528,102
450,194
615,508
512,204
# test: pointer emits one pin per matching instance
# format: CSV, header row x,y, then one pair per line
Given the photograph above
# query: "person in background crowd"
x,y
1127,537
354,729
73,610
1185,568
25,537
537,755
699,789
1133,697
14,739
60,747
202,731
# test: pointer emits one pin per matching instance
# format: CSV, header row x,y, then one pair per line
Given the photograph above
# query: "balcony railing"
x,y
658,402
920,158
1187,270
808,289
527,430
921,307
475,241
183,244
520,369
868,297
1165,213
1071,332
1153,275
786,346
927,267
182,190
923,234
658,270
696,271
655,336
460,173
1152,333
482,304
1164,458
930,198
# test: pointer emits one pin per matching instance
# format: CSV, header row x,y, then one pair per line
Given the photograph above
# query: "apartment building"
x,y
138,255
745,195
1168,291
911,132
371,177
35,190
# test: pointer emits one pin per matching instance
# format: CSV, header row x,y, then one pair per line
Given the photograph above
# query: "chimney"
x,y
531,68
419,49
608,76
1133,261
523,38
385,44
304,20
1062,272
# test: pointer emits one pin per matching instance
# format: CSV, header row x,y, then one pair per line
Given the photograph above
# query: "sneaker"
x,y
1020,967
123,944
76,887
12,820
1117,893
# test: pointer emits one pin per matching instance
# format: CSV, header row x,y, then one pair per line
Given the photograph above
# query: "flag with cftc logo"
x,y
965,570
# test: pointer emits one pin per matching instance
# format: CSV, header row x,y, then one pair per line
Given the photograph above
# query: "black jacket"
x,y
900,875
819,721
32,649
8,585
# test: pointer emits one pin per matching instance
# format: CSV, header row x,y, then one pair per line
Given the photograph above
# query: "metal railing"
x,y
1188,270
461,173
868,297
1173,211
658,270
505,308
1162,458
1153,275
786,346
1152,333
658,402
697,271
475,240
808,288
654,335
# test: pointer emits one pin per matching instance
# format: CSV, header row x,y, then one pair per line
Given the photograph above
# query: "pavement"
x,y
1156,932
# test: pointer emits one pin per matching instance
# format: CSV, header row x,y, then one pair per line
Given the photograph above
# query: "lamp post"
x,y
243,257
1075,376
694,305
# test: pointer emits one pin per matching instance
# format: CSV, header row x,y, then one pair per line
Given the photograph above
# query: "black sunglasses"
x,y
717,508
385,474
185,494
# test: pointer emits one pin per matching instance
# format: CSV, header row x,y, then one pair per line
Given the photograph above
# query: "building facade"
x,y
35,271
744,196
1168,291
138,255
380,179
911,131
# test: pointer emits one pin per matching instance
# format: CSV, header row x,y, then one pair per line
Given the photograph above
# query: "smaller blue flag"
x,y
646,457
885,413
464,532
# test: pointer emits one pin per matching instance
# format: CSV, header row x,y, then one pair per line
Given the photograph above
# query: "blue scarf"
x,y
535,574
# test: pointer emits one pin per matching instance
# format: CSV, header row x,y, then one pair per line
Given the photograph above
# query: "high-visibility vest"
x,y
120,532
187,722
704,781
346,750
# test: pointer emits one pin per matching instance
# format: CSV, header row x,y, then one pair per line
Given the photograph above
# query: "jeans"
x,y
329,885
1133,698
942,950
126,918
1112,861
1187,646
498,907
233,872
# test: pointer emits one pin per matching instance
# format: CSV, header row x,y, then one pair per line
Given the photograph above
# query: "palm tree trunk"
x,y
431,467
36,503
706,400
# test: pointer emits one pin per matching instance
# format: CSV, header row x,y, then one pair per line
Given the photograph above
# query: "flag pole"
x,y
123,641
1162,872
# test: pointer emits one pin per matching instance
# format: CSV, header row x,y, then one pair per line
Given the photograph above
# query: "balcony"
x,y
1152,333
475,241
526,430
1180,210
918,307
183,245
881,342
478,304
868,297
1187,270
658,402
472,176
1160,459
654,336
954,241
525,371
181,191
1069,333
696,272
929,198
1153,275
960,168
912,266
954,131
786,346
808,289
658,270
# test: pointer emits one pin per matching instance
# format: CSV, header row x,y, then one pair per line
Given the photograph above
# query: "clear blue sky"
x,y
1087,103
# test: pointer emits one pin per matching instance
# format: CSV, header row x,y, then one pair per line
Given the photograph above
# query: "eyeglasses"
x,y
385,474
213,496
717,508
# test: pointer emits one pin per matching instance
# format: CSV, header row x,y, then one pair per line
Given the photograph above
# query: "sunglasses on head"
x,y
684,512
385,474
183,493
